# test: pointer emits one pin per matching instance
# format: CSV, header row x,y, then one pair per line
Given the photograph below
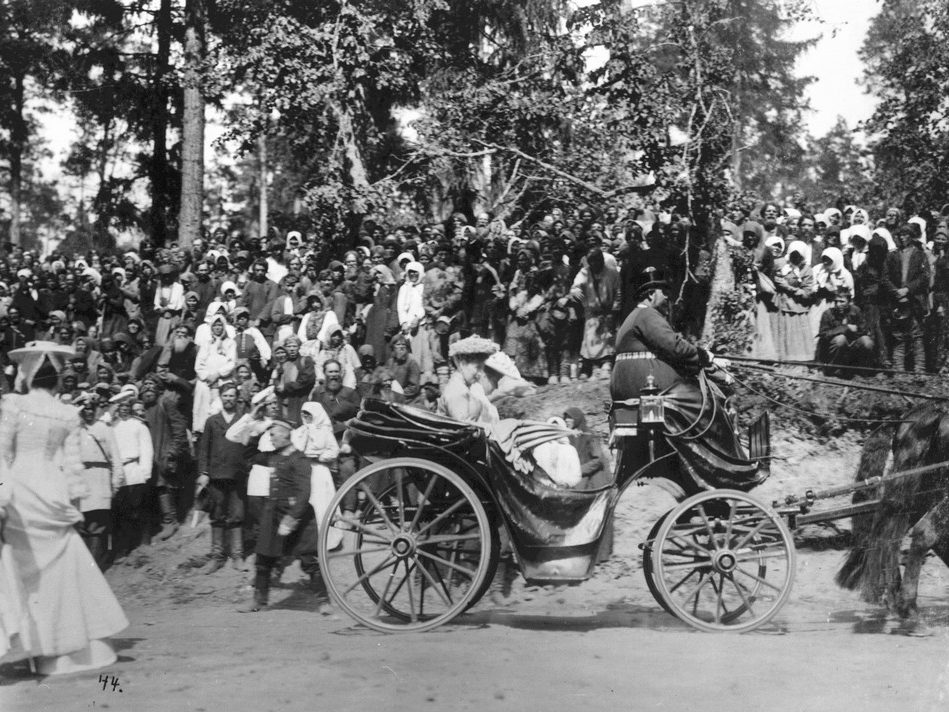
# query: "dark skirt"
x,y
697,425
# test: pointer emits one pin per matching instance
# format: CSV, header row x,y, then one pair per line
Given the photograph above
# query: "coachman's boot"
x,y
169,514
218,558
235,543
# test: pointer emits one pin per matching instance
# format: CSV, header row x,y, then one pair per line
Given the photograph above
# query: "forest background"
x,y
410,110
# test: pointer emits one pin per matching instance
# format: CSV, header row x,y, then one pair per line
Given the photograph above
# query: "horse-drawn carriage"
x,y
424,520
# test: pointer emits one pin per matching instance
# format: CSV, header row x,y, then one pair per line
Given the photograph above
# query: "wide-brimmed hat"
x,y
502,363
41,348
472,346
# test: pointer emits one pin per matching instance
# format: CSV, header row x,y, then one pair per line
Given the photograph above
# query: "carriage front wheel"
x,y
416,549
722,561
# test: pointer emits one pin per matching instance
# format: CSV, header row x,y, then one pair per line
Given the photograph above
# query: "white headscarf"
x,y
885,234
836,273
312,437
775,240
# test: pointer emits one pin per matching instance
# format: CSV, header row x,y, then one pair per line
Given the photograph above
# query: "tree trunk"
x,y
358,176
18,136
723,281
158,169
192,127
262,216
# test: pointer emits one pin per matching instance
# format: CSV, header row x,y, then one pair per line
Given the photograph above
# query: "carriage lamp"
x,y
652,408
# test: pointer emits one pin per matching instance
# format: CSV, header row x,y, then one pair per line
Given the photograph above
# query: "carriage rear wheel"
x,y
417,547
722,561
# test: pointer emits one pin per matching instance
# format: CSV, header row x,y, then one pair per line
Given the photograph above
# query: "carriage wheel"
x,y
723,561
648,571
417,550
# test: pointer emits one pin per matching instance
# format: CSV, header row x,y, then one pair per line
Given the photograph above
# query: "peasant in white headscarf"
x,y
833,277
410,305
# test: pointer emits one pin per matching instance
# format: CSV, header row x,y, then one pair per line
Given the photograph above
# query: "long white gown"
x,y
54,602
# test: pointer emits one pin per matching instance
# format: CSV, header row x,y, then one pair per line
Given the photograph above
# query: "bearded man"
x,y
169,433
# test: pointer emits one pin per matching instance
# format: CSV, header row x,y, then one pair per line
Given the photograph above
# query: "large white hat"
x,y
31,357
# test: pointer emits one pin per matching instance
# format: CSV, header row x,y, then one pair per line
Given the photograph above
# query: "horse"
x,y
917,505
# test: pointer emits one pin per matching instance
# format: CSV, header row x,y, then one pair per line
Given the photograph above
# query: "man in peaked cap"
x,y
650,352
287,526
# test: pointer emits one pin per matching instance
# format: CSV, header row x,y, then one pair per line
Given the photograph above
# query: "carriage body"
x,y
555,532
424,520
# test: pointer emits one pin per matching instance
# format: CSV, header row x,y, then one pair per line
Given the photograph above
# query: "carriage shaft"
x,y
810,496
837,513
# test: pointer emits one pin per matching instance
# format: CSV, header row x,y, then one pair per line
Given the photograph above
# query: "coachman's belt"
x,y
635,356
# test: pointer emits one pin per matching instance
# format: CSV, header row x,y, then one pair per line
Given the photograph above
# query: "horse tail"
x,y
877,453
873,564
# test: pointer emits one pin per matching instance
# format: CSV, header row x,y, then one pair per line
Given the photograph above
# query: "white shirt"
x,y
135,447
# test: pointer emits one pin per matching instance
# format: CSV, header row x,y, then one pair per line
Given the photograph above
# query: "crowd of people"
x,y
844,289
223,375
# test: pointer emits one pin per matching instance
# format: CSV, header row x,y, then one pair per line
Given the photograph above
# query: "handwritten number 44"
x,y
108,680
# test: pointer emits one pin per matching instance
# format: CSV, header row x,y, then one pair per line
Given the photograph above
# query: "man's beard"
x,y
180,343
334,384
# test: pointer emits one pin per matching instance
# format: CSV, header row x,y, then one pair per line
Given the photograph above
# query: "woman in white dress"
x,y
64,609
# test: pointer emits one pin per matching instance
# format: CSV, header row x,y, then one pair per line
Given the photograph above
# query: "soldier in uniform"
x,y
287,525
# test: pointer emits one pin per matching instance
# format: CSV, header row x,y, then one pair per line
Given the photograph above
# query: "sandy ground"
x,y
602,645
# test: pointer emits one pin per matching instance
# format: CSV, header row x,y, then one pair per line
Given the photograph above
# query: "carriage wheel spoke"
x,y
694,593
744,597
451,510
451,538
372,572
382,598
719,596
684,544
761,525
356,552
400,492
759,579
423,500
442,590
731,516
366,531
413,616
708,526
696,564
379,508
673,589
470,573
759,555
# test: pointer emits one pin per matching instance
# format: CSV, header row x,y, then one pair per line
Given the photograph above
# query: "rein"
x,y
839,383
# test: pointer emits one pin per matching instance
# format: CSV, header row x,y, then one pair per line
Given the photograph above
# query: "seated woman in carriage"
x,y
697,423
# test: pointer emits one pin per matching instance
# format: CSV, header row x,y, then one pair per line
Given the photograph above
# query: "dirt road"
x,y
559,652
